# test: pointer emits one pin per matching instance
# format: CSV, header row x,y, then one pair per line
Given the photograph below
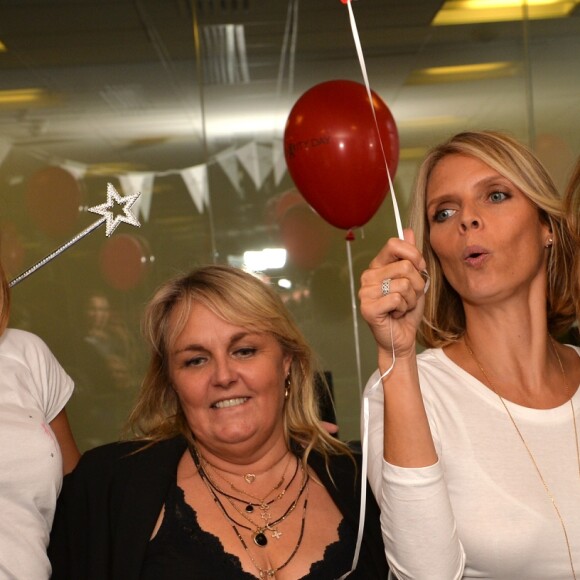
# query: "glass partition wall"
x,y
186,103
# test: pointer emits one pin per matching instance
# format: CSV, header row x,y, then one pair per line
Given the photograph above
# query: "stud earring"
x,y
549,243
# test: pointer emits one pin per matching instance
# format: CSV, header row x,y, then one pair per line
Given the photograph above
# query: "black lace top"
x,y
182,550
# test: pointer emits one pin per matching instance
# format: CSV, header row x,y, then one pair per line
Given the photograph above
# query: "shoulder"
x,y
125,456
340,470
436,369
21,344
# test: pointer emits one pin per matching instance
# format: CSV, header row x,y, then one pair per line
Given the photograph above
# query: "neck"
x,y
268,460
530,373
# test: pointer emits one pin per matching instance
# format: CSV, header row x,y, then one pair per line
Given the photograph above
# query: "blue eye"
x,y
497,196
442,215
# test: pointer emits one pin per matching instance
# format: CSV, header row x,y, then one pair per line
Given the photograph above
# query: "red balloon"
x,y
124,261
333,151
53,198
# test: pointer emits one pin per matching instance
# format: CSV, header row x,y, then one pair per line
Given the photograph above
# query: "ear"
x,y
287,363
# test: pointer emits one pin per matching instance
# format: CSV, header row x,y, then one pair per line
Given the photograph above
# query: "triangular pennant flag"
x,y
278,161
77,170
142,183
195,179
256,158
5,147
228,161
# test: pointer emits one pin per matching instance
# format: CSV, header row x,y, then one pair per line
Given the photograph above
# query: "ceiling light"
x,y
2,47
478,11
21,96
464,72
266,259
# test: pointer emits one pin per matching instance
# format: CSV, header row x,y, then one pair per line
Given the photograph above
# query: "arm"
x,y
394,320
66,442
417,522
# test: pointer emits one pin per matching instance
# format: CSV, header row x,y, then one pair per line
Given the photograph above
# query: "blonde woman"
x,y
474,445
232,475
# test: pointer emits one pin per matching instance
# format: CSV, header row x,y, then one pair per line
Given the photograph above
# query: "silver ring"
x,y
385,286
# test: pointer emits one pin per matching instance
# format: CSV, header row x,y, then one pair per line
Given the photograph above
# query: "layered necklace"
x,y
258,530
529,451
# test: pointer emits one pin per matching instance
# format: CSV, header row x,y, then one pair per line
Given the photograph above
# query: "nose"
x,y
225,374
470,219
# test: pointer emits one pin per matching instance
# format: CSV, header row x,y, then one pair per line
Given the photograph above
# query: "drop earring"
x,y
287,386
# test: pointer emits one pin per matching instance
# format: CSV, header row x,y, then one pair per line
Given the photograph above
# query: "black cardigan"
x,y
109,505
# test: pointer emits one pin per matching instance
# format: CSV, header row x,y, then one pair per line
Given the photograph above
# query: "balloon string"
x,y
369,93
354,314
365,460
366,414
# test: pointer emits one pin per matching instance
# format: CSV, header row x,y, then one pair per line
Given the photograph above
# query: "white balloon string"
x,y
365,459
365,429
369,93
354,316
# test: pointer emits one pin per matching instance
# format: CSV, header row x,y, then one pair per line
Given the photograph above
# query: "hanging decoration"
x,y
53,198
124,261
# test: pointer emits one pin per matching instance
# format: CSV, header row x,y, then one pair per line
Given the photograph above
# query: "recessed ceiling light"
x,y
478,11
464,72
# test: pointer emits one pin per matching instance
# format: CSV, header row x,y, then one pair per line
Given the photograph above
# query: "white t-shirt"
x,y
33,389
481,511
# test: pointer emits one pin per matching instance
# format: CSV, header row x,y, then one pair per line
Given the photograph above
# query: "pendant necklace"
x,y
530,454
259,534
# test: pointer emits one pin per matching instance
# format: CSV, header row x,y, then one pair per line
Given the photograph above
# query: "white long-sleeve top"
x,y
481,511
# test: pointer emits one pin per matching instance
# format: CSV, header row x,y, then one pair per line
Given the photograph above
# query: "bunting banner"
x,y
256,159
77,170
195,179
228,161
131,183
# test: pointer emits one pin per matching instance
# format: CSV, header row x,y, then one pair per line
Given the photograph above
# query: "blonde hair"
x,y
4,300
572,207
444,318
244,300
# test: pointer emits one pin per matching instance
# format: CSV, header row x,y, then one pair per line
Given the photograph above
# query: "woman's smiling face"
x,y
230,383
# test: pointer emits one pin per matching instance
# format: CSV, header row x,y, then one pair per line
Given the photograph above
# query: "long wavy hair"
x,y
444,317
243,300
572,207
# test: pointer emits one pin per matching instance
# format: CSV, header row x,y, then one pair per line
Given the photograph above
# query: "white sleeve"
x,y
417,521
51,384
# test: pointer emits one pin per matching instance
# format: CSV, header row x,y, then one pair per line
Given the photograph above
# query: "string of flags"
x,y
259,160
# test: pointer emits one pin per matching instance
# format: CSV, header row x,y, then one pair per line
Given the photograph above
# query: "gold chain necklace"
x,y
534,462
268,572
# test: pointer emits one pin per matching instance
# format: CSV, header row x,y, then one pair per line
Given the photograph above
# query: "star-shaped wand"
x,y
112,221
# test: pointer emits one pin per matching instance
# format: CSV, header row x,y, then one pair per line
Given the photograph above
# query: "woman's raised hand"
x,y
392,295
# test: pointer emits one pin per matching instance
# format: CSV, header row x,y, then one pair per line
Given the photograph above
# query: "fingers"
x,y
395,280
396,249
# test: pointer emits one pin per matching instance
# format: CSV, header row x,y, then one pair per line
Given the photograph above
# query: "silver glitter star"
x,y
112,222
105,209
